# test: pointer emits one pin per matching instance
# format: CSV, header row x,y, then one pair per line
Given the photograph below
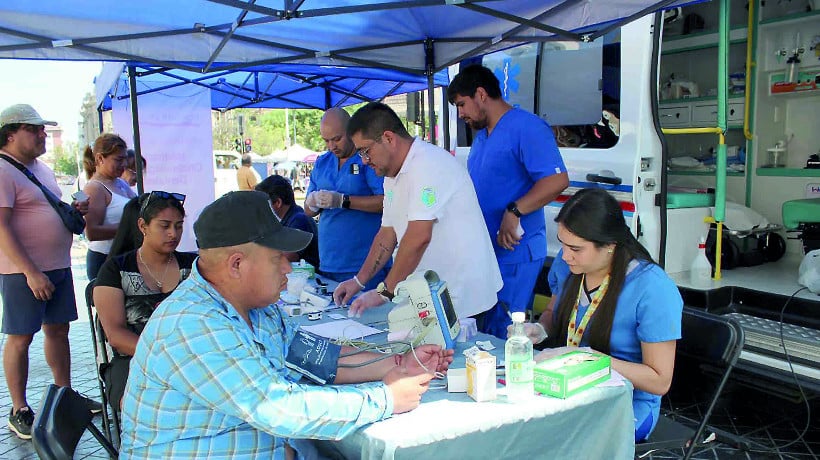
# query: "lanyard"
x,y
576,332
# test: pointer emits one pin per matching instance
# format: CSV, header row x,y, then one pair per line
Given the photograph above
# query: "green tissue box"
x,y
303,267
564,375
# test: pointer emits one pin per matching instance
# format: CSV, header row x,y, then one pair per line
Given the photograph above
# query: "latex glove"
x,y
509,234
367,300
328,199
534,331
345,291
310,201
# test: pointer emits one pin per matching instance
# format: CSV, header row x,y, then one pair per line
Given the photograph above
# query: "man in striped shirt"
x,y
209,376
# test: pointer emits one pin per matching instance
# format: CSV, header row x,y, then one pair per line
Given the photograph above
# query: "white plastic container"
x,y
701,270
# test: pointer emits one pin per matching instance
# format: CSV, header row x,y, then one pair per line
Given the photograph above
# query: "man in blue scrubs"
x,y
349,196
517,169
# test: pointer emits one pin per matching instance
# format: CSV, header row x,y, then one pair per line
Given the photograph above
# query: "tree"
x,y
65,161
266,128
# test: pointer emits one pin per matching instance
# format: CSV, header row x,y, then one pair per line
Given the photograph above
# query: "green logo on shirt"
x,y
428,196
389,194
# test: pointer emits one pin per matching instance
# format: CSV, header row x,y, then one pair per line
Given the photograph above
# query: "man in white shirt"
x,y
430,212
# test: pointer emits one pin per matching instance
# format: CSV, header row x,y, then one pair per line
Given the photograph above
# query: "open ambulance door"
x,y
601,100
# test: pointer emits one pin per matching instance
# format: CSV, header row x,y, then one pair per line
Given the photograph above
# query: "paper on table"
x,y
341,329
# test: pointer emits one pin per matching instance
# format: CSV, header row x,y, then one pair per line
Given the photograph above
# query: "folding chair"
x,y
102,357
713,341
60,423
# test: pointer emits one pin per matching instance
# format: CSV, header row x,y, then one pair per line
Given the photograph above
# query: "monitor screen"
x,y
447,306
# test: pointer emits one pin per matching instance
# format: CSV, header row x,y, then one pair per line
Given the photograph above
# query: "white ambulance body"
x,y
631,168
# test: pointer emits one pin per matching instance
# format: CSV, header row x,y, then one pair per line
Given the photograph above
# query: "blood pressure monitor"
x,y
424,312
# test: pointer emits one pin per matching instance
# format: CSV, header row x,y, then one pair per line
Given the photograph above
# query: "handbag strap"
x,y
50,196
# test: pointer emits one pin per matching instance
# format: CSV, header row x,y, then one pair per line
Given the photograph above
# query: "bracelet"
x,y
356,279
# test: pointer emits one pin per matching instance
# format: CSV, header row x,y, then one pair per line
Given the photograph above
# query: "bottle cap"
x,y
518,317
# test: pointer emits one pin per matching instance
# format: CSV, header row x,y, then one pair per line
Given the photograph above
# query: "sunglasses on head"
x,y
159,194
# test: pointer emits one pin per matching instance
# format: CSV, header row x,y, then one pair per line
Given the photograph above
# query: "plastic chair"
x,y
714,341
101,357
60,423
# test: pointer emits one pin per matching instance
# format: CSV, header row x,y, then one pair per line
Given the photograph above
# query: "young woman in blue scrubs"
x,y
608,294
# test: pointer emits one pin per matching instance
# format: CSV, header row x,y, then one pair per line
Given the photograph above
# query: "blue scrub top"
x,y
504,167
649,310
345,235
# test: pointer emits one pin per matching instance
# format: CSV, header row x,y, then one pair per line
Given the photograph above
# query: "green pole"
x,y
723,87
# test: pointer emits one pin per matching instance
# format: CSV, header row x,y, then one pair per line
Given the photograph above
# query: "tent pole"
x,y
135,125
445,125
99,120
429,58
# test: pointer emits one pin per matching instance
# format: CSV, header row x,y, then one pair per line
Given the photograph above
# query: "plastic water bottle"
x,y
518,361
701,271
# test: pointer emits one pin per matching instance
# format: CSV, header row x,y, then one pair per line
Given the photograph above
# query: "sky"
x,y
54,88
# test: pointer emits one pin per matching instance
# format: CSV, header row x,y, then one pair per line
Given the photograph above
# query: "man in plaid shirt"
x,y
209,376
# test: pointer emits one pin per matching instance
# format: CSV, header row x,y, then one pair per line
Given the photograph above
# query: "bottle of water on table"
x,y
518,361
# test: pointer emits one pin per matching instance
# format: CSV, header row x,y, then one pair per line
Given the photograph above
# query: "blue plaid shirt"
x,y
203,384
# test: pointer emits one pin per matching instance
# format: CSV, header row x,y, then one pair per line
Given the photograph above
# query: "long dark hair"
x,y
594,215
129,237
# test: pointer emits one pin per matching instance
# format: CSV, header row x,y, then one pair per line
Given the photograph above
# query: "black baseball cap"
x,y
245,217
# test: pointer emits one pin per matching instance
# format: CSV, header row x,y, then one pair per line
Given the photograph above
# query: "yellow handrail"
x,y
747,132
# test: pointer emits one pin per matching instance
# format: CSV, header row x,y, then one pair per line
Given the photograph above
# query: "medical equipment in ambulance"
x,y
424,312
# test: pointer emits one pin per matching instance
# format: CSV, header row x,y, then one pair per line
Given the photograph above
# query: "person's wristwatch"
x,y
513,208
346,201
381,289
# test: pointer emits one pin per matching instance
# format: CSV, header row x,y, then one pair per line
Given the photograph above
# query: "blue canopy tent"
x,y
295,86
201,36
415,36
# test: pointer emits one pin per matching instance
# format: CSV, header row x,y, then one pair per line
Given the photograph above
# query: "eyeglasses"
x,y
163,196
365,152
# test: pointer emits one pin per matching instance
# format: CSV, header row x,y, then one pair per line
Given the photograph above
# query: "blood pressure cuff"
x,y
314,357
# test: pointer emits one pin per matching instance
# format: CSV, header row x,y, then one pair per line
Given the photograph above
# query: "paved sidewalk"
x,y
83,377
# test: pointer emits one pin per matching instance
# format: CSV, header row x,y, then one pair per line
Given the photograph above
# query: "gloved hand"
x,y
328,199
345,291
367,300
310,202
534,331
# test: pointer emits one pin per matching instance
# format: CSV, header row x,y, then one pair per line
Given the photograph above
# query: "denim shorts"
x,y
23,314
93,262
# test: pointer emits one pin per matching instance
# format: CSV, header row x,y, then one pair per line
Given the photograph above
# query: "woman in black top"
x,y
130,285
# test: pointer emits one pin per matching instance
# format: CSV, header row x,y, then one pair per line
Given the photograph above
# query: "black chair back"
x,y
714,341
60,423
101,358
711,339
